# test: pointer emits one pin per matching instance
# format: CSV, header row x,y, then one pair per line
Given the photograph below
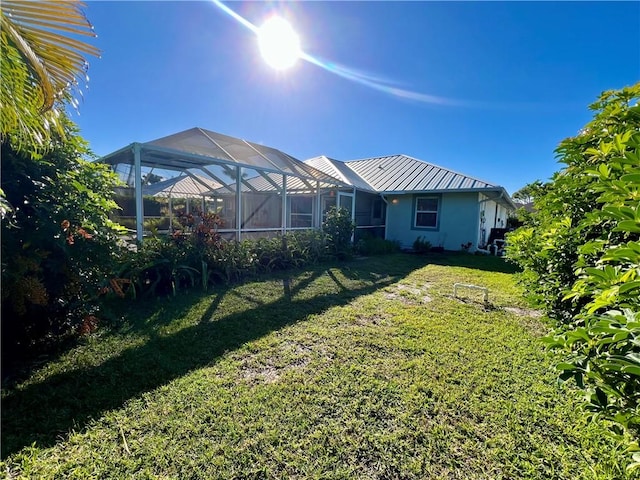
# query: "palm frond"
x,y
45,34
43,61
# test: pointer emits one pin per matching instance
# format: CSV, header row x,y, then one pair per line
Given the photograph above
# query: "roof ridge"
x,y
336,170
333,161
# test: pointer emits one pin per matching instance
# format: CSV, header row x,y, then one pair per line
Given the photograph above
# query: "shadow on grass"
x,y
489,263
43,413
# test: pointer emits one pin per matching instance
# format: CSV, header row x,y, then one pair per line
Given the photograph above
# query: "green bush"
x,y
160,266
58,244
339,228
581,253
420,245
376,246
195,254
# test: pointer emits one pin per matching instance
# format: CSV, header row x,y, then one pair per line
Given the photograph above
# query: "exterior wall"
x,y
457,223
494,216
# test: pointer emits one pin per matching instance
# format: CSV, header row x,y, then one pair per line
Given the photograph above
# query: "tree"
x,y
42,64
151,178
580,252
529,192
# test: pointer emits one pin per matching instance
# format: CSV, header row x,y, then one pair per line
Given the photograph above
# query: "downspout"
x,y
482,231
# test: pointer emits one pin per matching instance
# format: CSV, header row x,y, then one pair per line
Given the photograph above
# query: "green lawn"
x,y
366,369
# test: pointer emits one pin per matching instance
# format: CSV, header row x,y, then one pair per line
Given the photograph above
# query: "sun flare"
x,y
279,43
280,48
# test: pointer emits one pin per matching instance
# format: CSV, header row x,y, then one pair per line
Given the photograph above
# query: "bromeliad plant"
x,y
163,265
160,266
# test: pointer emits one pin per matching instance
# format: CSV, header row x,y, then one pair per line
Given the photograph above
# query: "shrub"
x,y
581,253
420,245
376,246
161,266
58,244
339,228
195,254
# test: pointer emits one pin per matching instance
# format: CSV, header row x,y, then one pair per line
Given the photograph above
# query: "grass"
x,y
361,370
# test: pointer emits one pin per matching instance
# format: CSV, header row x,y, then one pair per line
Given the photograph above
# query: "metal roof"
x,y
401,173
340,170
270,182
197,148
189,185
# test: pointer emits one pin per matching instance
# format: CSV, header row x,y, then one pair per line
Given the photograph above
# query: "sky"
x,y
487,89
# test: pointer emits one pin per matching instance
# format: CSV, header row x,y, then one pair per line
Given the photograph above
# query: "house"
x,y
420,199
262,191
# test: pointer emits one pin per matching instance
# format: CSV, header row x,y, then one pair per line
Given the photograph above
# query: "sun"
x,y
279,43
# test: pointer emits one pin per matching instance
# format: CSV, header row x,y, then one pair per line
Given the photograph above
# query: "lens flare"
x,y
280,47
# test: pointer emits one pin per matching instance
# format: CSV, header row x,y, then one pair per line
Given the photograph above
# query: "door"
x,y
345,200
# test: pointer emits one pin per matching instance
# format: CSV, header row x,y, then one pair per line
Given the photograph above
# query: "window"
x,y
426,212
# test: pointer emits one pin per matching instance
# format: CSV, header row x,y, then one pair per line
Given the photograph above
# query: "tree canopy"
x,y
529,192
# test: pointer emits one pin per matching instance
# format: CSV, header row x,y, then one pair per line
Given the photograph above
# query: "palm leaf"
x,y
43,60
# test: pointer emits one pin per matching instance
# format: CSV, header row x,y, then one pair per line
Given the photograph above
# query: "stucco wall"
x,y
495,215
458,221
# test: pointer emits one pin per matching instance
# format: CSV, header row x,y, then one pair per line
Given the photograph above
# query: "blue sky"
x,y
518,77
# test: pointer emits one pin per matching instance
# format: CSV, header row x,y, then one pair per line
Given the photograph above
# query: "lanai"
x,y
259,190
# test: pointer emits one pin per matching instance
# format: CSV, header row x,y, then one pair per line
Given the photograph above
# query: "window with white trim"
x,y
426,212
